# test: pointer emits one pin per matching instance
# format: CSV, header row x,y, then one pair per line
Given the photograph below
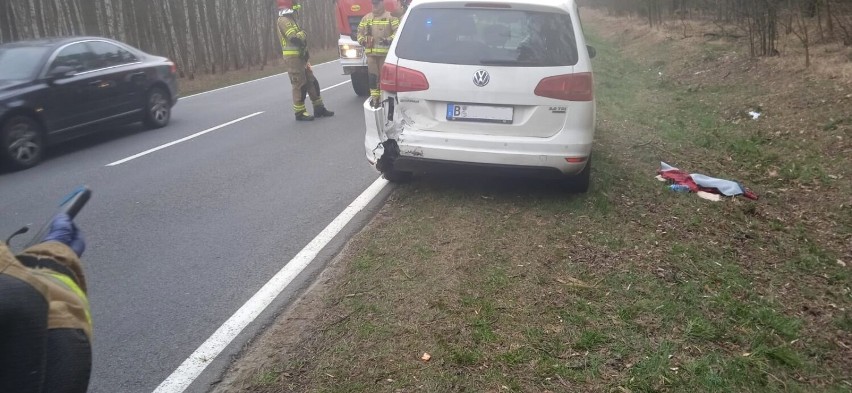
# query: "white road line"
x,y
246,82
193,366
146,152
331,87
197,134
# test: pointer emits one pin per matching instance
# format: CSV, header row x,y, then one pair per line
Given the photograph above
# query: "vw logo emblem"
x,y
481,78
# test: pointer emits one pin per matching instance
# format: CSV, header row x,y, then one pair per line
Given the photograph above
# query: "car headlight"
x,y
351,51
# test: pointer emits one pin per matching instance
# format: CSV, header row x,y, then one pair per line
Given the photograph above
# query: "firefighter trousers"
x,y
304,84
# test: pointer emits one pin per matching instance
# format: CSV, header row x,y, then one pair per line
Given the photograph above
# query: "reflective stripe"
x,y
70,284
293,29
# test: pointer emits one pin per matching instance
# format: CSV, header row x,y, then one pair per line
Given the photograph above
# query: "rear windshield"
x,y
21,63
498,37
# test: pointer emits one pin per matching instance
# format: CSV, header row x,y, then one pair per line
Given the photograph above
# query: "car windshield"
x,y
497,37
20,63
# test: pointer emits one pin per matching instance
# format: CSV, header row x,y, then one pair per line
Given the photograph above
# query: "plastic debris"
x,y
426,357
754,115
697,182
708,196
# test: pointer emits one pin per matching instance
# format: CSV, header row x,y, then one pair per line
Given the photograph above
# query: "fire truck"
x,y
349,14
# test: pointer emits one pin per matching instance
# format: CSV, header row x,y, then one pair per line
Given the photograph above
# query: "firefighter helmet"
x,y
287,6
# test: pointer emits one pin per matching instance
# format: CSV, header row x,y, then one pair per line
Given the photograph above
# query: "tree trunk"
x,y
189,41
168,19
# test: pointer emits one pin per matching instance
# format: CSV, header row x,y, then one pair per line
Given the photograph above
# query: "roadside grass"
x,y
512,285
203,83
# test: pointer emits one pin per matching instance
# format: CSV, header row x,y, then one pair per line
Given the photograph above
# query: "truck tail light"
x,y
396,79
570,87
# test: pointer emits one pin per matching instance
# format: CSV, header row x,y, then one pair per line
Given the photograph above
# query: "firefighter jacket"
x,y
294,40
375,33
53,270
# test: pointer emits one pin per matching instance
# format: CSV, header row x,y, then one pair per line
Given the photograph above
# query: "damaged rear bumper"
x,y
388,145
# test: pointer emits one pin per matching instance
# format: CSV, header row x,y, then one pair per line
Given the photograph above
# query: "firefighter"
x,y
375,33
45,323
294,44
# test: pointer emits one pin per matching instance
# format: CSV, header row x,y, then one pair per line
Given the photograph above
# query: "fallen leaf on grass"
x,y
426,357
841,263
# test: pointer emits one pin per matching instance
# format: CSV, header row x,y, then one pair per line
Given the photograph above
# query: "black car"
x,y
52,90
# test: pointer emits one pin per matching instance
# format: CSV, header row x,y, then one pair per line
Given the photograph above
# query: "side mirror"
x,y
592,51
61,72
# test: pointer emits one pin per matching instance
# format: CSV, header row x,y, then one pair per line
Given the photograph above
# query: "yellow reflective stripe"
x,y
395,22
68,282
380,23
289,53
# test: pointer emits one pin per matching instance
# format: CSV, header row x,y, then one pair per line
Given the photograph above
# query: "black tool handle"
x,y
70,207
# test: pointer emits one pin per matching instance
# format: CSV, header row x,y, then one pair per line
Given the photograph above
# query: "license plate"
x,y
483,113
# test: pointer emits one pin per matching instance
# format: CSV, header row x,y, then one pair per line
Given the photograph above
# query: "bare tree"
x,y
201,36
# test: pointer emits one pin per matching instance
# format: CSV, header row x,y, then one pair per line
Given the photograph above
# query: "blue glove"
x,y
63,230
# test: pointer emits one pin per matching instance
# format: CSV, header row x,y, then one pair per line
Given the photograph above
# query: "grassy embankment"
x,y
511,285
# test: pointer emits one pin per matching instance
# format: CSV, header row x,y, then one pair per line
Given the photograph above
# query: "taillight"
x,y
172,67
397,79
571,87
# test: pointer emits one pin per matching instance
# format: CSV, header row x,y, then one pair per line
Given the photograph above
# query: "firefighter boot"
x,y
376,102
303,116
321,111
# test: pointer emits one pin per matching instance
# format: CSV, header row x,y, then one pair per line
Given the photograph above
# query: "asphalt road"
x,y
180,238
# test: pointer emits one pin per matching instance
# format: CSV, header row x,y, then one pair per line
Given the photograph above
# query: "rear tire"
x,y
158,108
580,182
22,142
361,83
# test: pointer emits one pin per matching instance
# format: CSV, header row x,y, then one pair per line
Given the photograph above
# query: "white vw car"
x,y
496,85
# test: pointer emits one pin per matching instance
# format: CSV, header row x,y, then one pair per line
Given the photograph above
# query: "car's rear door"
x,y
121,79
484,63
